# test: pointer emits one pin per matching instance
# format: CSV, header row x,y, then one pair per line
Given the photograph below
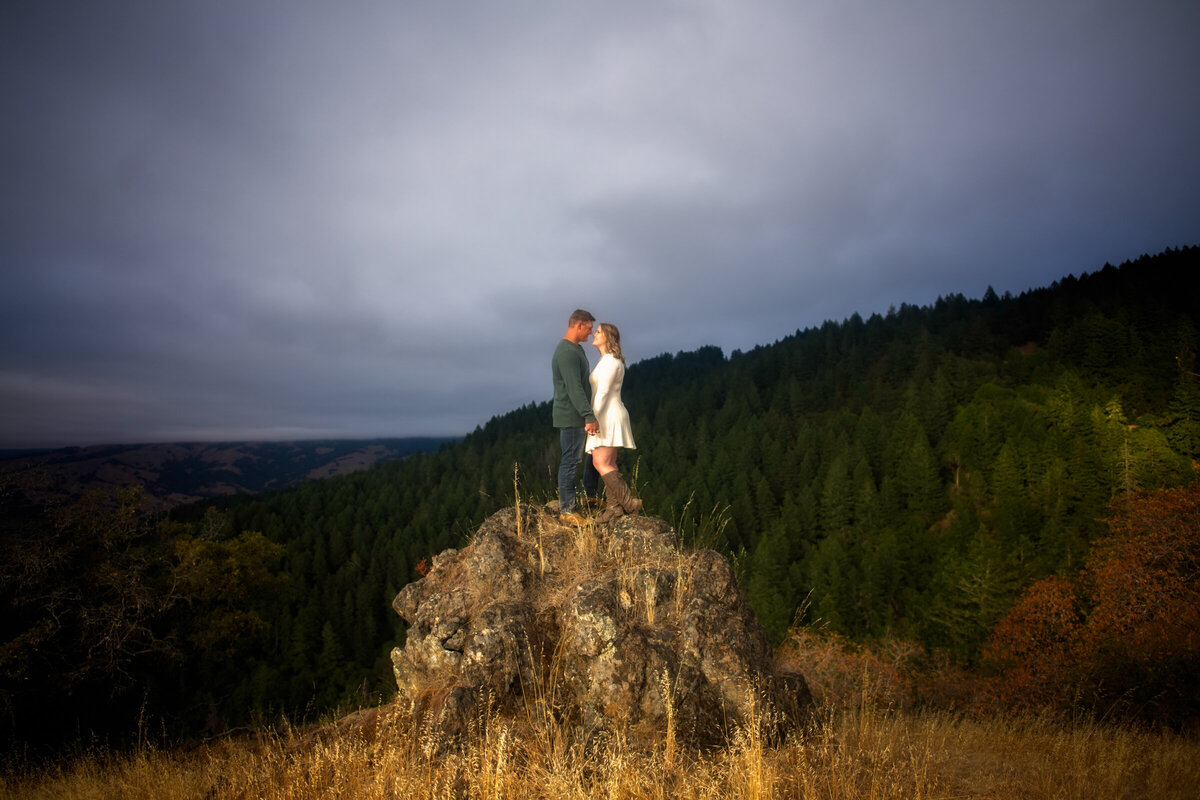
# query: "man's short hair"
x,y
578,316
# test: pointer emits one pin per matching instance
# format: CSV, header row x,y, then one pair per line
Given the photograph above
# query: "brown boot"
x,y
618,500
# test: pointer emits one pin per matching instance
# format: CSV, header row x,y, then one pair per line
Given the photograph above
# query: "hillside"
x,y
905,476
179,473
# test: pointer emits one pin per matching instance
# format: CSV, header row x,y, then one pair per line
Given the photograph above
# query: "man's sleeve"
x,y
575,379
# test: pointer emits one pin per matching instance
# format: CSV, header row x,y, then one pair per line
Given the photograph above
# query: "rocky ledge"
x,y
607,629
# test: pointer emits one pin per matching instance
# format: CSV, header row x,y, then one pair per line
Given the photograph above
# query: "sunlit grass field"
x,y
855,753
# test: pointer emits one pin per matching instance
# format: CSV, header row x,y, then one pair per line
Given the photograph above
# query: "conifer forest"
x,y
968,475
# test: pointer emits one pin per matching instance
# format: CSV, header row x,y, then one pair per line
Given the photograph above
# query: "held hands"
x,y
592,428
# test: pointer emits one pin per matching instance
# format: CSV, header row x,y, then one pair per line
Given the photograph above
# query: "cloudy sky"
x,y
241,219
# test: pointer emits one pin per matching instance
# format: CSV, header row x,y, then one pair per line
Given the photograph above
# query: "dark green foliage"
x,y
114,619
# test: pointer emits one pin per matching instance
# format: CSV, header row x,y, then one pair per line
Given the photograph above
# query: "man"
x,y
572,411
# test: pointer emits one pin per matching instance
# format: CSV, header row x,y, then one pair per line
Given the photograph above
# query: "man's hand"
x,y
592,428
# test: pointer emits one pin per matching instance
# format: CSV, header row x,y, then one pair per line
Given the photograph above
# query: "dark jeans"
x,y
572,441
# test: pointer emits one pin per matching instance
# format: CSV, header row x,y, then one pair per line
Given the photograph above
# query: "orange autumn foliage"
x,y
1125,635
1036,645
1145,579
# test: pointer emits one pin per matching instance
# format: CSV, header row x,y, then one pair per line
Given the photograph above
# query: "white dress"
x,y
610,412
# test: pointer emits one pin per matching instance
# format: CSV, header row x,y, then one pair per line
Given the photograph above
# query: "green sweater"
x,y
572,391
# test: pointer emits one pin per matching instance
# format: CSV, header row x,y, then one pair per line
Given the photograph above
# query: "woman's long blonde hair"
x,y
612,338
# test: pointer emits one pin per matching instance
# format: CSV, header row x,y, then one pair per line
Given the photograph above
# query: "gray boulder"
x,y
605,628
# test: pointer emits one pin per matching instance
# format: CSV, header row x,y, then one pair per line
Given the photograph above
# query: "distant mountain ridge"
x,y
178,473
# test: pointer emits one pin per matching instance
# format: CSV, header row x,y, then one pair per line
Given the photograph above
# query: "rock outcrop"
x,y
605,628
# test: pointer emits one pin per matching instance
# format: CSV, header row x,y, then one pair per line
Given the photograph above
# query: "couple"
x,y
591,417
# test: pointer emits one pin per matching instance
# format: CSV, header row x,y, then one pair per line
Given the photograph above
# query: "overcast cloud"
x,y
260,220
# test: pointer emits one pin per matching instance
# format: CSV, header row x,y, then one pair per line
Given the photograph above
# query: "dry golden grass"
x,y
856,754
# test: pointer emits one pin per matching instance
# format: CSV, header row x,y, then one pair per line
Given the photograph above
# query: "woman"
x,y
613,420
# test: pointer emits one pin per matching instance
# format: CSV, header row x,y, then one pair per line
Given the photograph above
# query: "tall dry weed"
x,y
850,754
